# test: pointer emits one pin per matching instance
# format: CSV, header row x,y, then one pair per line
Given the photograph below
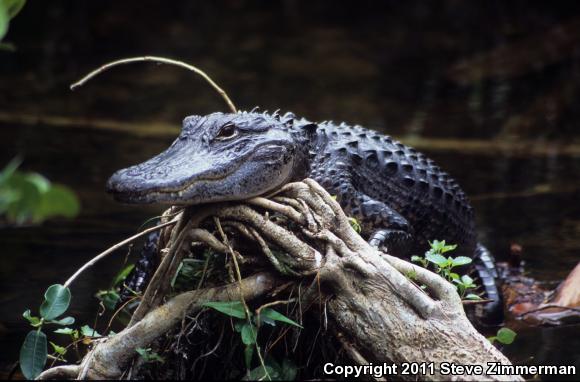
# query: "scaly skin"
x,y
402,198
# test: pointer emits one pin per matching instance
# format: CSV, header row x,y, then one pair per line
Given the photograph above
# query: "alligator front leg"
x,y
392,241
388,230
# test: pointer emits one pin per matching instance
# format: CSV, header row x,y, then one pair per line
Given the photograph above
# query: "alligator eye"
x,y
227,131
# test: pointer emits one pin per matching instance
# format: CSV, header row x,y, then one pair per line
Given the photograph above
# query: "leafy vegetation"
x,y
111,297
504,336
444,267
192,271
355,225
34,351
31,198
8,10
248,327
149,355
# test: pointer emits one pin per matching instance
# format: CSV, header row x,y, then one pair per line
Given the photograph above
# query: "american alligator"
x,y
402,198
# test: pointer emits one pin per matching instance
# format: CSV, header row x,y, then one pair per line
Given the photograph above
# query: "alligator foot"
x,y
392,241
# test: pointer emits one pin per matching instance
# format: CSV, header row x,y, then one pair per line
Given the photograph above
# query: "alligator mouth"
x,y
168,195
168,192
166,179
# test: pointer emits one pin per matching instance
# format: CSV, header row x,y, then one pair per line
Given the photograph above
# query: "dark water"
x,y
489,89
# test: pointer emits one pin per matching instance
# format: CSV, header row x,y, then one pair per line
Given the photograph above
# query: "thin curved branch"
x,y
104,254
158,60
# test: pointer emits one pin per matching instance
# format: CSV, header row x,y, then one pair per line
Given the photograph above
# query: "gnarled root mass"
x,y
370,304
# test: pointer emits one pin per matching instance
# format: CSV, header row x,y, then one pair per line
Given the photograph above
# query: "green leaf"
x,y
33,354
13,7
34,321
10,169
276,316
472,296
468,281
416,259
461,260
58,349
67,331
63,321
249,334
437,246
56,301
4,19
454,276
190,271
355,225
248,354
31,197
58,200
411,275
149,356
87,331
121,276
289,370
40,182
267,320
230,308
238,325
23,207
447,248
437,259
506,336
271,361
110,298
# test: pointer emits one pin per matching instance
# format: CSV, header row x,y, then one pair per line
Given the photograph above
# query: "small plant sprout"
x,y
444,267
421,260
355,225
504,336
463,284
34,350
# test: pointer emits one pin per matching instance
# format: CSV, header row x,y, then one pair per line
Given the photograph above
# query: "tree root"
x,y
302,231
110,356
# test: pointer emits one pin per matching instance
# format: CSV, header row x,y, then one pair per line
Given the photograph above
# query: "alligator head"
x,y
219,157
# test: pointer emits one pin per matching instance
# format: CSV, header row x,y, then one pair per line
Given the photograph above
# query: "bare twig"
x,y
119,310
114,248
160,60
274,303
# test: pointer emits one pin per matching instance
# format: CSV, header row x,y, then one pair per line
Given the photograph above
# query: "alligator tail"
x,y
490,313
139,277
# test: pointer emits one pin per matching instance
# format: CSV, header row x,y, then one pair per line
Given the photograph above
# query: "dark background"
x,y
490,89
